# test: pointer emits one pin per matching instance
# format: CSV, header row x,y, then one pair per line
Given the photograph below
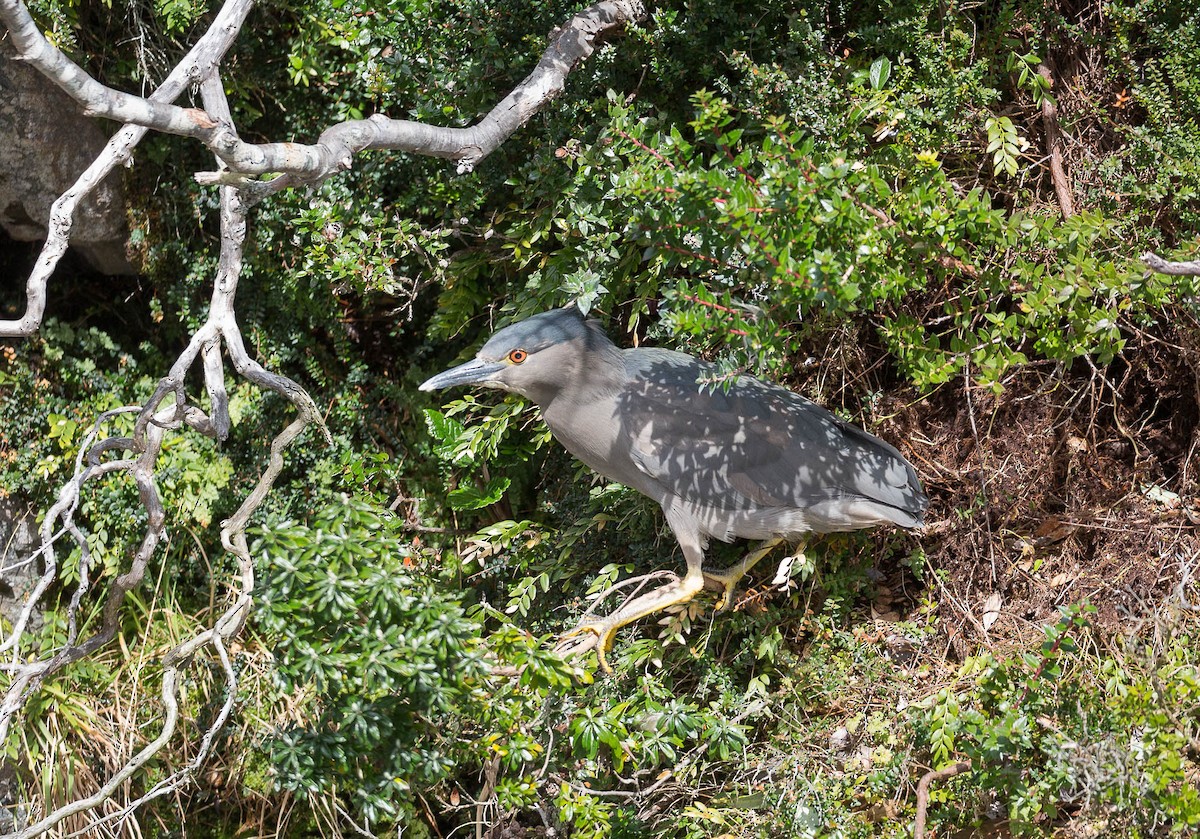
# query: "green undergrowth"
x,y
813,192
798,715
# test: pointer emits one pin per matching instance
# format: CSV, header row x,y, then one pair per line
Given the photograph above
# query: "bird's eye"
x,y
518,356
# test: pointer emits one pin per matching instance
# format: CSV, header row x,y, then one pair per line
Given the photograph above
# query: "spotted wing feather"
x,y
754,445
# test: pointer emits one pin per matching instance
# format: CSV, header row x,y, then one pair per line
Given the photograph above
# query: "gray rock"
x,y
45,144
18,538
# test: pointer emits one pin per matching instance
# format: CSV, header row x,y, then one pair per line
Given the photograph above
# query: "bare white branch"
x,y
1179,269
204,57
171,409
334,150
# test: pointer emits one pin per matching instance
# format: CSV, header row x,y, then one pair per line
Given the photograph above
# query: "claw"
x,y
604,642
726,599
726,584
679,591
603,630
729,578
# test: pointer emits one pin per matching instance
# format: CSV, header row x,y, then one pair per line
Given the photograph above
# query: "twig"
x,y
983,481
490,773
923,792
1062,187
1179,269
604,793
361,831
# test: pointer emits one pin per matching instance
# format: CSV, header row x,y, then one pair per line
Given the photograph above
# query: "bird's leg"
x,y
728,579
671,594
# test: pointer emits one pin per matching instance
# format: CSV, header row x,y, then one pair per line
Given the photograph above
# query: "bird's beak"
x,y
475,371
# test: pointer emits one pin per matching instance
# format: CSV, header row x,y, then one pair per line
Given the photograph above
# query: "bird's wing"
x,y
753,444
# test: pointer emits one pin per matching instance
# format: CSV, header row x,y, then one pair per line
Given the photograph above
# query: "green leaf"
x,y
473,498
881,71
443,428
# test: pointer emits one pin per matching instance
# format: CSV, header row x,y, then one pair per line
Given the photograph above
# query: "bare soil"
x,y
1070,486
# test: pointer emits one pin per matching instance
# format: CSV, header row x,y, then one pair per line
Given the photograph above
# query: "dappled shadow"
x,y
747,460
740,459
753,460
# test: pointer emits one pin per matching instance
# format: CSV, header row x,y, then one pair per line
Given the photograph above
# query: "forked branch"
x,y
334,149
200,60
172,409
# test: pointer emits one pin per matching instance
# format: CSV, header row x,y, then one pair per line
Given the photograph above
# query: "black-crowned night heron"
x,y
751,460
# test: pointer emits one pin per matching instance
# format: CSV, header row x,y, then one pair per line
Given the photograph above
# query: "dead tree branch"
x,y
1058,174
171,408
336,146
297,163
1178,269
202,59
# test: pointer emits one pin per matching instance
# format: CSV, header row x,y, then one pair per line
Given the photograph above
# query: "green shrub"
x,y
1057,729
387,662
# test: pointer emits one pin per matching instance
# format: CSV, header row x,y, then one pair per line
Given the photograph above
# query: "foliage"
x,y
1057,729
385,659
759,183
61,383
1155,169
758,239
81,725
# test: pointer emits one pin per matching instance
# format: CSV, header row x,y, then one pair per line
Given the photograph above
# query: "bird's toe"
x,y
726,600
588,635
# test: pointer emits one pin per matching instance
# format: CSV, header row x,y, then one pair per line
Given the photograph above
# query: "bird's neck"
x,y
595,374
593,371
582,413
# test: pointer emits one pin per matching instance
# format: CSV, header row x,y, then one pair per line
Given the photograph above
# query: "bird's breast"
x,y
591,431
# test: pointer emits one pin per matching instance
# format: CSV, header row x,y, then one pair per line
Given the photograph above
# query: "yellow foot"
x,y
576,641
728,579
725,582
673,593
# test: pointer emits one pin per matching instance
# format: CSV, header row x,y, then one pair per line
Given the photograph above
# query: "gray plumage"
x,y
752,460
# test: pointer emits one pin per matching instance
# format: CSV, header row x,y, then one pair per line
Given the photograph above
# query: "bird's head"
x,y
535,357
